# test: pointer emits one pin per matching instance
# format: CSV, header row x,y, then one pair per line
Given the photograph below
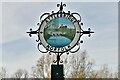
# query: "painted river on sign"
x,y
58,41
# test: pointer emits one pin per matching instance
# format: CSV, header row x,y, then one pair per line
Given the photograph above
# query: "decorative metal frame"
x,y
67,49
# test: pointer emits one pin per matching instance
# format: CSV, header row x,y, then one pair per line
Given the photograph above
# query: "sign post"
x,y
57,72
59,33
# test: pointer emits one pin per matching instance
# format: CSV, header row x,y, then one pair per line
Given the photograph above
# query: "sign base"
x,y
57,72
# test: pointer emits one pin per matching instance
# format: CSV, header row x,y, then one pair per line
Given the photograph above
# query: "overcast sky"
x,y
20,51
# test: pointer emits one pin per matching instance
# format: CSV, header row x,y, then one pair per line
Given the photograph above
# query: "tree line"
x,y
75,66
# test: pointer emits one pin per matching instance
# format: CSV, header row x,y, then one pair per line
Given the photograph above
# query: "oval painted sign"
x,y
59,32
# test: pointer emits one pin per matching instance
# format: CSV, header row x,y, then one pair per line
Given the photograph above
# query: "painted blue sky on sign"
x,y
61,21
65,21
19,51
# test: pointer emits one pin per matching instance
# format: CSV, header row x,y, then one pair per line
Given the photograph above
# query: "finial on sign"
x,y
61,6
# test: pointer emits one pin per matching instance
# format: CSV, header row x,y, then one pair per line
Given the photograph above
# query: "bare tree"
x,y
26,74
43,67
20,73
3,73
75,66
81,67
104,71
38,70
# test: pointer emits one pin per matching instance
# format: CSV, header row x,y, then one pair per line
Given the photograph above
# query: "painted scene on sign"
x,y
59,32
